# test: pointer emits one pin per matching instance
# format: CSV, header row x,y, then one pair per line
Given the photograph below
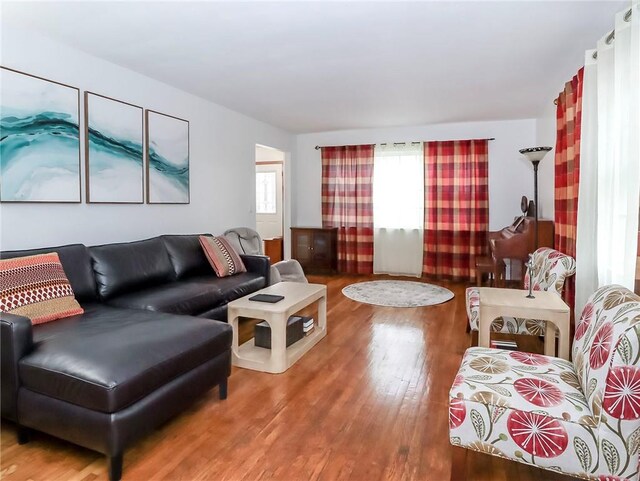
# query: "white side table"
x,y
546,306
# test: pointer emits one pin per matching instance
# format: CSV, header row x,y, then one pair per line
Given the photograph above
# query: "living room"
x,y
368,393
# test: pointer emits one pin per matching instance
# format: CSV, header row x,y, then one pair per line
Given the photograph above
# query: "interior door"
x,y
269,200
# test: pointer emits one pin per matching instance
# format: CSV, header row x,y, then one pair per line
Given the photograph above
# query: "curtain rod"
x,y
608,40
318,147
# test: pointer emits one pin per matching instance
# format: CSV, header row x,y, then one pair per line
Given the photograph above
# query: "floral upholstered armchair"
x,y
580,418
551,268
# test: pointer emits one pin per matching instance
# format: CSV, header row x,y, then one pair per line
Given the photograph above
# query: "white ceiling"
x,y
316,66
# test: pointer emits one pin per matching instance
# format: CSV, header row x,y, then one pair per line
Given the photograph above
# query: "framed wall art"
x,y
40,139
113,150
167,140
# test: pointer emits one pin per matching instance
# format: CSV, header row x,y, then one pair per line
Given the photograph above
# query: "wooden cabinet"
x,y
315,249
273,249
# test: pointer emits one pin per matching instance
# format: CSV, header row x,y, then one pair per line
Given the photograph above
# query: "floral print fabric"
x,y
581,418
551,268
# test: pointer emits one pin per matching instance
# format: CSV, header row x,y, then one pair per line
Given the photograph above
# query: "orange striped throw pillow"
x,y
36,287
222,257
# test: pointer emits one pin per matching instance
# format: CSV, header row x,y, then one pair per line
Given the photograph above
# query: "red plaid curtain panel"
x,y
567,172
456,207
347,203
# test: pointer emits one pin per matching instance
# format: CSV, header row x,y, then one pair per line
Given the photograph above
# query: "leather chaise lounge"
x,y
150,341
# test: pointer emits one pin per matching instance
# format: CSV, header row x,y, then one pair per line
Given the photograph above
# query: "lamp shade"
x,y
535,154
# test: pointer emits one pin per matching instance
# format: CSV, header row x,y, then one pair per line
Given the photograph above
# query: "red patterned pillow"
x,y
36,287
222,257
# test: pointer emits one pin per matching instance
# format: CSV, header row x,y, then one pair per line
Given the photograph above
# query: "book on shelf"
x,y
307,323
508,345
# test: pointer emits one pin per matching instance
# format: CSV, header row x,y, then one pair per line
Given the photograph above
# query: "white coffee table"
x,y
546,306
279,358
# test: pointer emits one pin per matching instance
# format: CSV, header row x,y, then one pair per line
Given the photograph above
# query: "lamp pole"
x,y
535,155
535,196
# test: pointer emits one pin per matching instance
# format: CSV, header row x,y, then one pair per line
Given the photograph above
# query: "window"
x,y
398,209
398,187
266,183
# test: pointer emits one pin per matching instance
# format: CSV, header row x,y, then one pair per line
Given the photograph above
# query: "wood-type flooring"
x,y
369,402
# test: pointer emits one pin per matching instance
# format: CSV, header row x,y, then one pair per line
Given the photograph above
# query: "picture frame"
x,y
114,150
167,158
40,131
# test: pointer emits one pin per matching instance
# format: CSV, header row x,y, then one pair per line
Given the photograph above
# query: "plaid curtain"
x,y
456,207
347,203
567,172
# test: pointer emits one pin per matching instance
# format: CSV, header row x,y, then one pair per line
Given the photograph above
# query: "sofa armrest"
x,y
259,265
16,340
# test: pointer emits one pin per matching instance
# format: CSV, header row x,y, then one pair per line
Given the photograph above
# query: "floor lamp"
x,y
535,155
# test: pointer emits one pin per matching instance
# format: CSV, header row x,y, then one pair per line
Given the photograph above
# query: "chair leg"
x,y
115,467
474,338
23,434
223,388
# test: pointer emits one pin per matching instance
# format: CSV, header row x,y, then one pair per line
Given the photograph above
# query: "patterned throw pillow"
x,y
36,287
222,257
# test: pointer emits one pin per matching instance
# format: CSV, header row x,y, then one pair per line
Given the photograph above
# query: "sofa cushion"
x,y
233,287
76,262
186,255
36,287
130,266
179,297
109,358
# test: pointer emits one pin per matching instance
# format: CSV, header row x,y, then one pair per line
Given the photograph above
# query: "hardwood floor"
x,y
369,402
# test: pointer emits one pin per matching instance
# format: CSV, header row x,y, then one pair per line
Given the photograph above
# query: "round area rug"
x,y
397,293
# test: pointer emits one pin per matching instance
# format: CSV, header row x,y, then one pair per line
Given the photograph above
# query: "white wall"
x,y
546,127
510,174
268,154
222,156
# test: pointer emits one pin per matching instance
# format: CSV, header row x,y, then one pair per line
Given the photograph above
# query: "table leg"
x,y
233,322
550,339
322,313
278,358
563,343
484,327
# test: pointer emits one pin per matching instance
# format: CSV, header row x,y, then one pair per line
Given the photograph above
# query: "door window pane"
x,y
266,193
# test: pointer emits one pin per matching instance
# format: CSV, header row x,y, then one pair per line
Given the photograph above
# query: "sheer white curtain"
x,y
610,153
586,246
398,209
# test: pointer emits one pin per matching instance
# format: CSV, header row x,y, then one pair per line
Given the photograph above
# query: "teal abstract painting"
x,y
167,159
39,139
113,150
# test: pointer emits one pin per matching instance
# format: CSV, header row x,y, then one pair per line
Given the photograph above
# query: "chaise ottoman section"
x,y
115,357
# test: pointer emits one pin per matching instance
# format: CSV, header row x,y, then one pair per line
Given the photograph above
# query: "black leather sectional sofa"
x,y
150,341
